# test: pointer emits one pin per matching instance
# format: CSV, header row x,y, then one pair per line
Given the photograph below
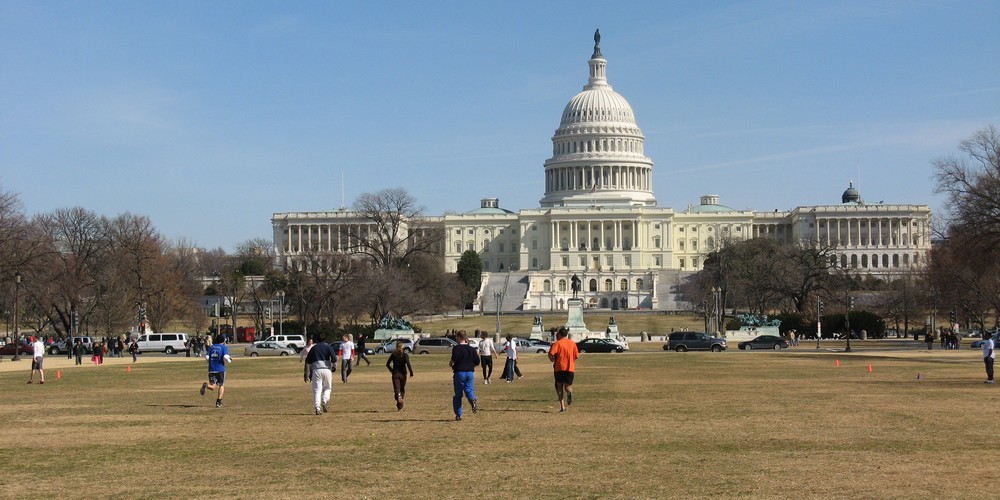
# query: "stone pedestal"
x,y
574,320
537,332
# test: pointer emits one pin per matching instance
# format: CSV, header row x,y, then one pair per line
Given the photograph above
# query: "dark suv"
x,y
693,341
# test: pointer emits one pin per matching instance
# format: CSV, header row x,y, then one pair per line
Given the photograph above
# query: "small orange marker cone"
x,y
837,363
869,367
58,374
130,368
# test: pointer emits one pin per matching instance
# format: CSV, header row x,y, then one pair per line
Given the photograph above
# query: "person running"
x,y
510,367
398,364
318,369
217,356
487,351
563,355
37,351
989,354
464,360
346,355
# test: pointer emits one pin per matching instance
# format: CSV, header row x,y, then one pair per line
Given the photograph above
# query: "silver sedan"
x,y
267,349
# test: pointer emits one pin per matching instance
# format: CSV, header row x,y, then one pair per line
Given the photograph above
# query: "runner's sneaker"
x,y
218,404
458,417
324,408
475,408
204,386
318,411
569,398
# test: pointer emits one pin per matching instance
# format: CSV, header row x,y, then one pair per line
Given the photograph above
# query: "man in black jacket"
x,y
319,366
464,360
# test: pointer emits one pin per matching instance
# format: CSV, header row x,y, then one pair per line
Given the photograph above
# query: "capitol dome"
x,y
597,151
850,195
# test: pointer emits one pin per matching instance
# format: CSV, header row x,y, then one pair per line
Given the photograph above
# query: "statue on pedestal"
x,y
575,285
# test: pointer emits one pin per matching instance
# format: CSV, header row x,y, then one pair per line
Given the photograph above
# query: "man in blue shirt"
x,y
217,356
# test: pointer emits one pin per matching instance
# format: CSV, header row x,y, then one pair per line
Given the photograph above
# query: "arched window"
x,y
885,260
470,245
546,286
486,245
638,283
623,285
592,285
895,260
607,285
458,247
604,303
562,285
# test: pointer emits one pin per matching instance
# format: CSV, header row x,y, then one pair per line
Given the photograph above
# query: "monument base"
x,y
574,320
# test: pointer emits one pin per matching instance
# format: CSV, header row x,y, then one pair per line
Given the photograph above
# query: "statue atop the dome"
x,y
597,44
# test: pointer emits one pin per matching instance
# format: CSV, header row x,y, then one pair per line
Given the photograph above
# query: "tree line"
x,y
87,273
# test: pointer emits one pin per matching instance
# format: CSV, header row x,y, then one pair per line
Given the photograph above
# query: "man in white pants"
x,y
319,366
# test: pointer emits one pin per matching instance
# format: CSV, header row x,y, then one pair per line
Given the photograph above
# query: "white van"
x,y
163,342
297,342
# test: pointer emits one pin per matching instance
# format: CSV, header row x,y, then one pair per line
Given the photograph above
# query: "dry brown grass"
x,y
647,424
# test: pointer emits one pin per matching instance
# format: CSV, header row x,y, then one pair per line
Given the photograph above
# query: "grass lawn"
x,y
645,424
631,324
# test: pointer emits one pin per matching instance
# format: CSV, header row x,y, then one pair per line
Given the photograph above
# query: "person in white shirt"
x,y
37,350
510,367
346,356
487,351
988,356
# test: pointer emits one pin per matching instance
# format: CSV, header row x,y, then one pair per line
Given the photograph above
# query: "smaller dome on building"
x,y
851,195
490,206
709,204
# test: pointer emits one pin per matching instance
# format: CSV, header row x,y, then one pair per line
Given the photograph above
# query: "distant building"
x,y
598,219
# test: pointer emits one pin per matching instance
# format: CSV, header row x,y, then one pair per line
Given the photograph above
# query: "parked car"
x,y
693,341
61,348
598,345
390,346
764,342
297,342
524,345
8,350
439,345
267,349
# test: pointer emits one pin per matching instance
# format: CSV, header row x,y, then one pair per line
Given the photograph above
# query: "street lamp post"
x,y
850,306
17,323
716,313
819,322
281,307
498,295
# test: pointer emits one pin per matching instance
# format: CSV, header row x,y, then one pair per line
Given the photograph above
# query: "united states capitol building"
x,y
598,219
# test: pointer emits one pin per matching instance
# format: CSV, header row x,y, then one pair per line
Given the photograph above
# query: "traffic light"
x,y
850,303
821,308
953,315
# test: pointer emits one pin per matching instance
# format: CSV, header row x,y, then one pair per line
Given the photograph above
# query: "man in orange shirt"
x,y
563,354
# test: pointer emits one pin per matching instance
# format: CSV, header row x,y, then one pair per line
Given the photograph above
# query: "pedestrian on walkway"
x,y
361,350
510,367
78,350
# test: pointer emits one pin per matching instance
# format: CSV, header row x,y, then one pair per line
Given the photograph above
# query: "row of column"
x,y
580,178
598,146
617,232
303,236
900,234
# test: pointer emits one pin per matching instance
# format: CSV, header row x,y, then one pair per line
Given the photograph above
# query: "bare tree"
x,y
972,185
397,230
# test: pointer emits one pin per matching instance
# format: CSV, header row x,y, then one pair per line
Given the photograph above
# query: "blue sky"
x,y
211,116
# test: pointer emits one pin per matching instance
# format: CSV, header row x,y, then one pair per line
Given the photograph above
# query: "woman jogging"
x,y
398,364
